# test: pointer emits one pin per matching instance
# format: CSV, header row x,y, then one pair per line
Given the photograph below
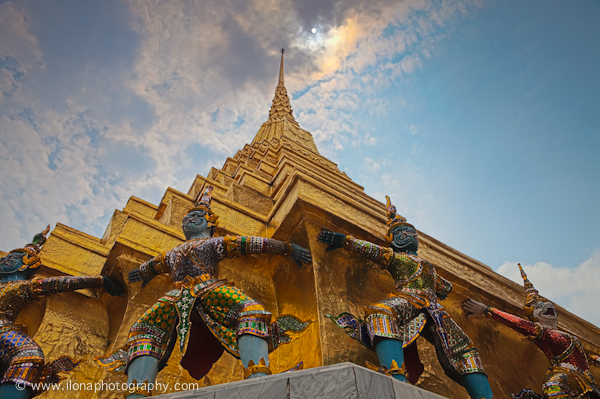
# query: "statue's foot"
x,y
477,385
256,370
299,366
139,390
398,373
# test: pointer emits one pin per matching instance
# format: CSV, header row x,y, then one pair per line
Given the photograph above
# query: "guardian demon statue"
x,y
202,310
22,366
392,326
569,375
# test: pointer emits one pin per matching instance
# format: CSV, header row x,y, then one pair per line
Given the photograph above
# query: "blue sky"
x,y
479,119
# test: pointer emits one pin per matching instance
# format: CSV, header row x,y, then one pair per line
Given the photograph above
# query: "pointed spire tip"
x,y
281,68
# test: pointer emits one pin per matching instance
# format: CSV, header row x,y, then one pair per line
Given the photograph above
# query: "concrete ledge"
x,y
339,381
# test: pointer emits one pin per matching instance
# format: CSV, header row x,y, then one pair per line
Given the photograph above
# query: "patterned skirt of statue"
x,y
22,360
206,316
564,381
405,315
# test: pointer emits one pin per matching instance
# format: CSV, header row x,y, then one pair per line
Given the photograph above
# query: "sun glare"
x,y
330,44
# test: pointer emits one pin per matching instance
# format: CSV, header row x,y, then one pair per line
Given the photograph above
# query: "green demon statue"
x,y
22,367
569,375
392,326
205,314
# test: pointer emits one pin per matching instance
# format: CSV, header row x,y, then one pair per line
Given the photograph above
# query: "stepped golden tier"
x,y
278,186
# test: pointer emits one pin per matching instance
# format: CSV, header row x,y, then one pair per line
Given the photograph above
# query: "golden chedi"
x,y
277,187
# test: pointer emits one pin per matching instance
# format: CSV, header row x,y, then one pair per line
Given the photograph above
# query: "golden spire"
x,y
281,108
281,69
281,125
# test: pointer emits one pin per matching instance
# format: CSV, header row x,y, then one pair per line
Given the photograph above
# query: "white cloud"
x,y
17,40
409,64
8,83
575,289
187,77
370,140
358,58
366,140
371,165
19,50
205,73
403,190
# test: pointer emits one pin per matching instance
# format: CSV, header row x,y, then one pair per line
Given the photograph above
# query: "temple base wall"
x,y
339,381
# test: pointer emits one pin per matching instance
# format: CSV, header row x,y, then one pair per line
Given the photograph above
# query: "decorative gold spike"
x,y
393,370
372,367
137,388
211,218
253,368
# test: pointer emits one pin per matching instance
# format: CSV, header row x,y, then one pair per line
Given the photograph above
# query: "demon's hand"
x,y
334,240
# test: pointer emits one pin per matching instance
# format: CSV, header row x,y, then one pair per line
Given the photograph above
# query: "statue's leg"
x,y
9,390
383,321
389,350
557,385
466,360
147,342
252,333
250,321
477,385
142,369
253,348
243,326
24,363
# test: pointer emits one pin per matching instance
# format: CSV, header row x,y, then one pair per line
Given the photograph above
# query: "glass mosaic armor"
x,y
21,359
569,375
403,315
225,310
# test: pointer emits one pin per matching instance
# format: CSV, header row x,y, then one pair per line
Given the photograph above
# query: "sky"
x,y
480,119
